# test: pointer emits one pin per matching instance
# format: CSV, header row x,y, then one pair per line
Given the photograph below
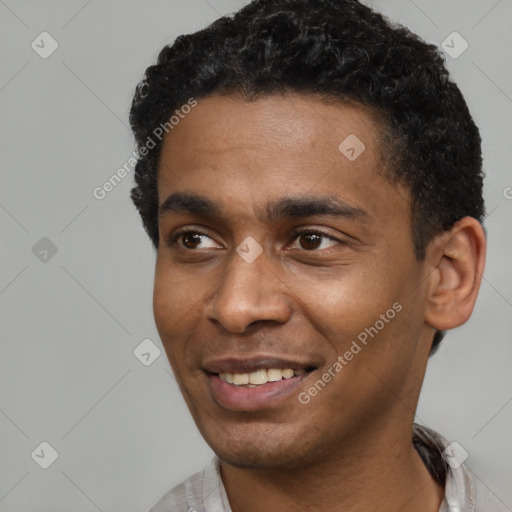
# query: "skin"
x,y
350,447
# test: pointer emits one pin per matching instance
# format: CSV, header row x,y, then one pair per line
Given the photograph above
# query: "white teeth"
x,y
259,377
274,374
240,378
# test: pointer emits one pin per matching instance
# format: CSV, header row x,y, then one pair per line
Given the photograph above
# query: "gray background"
x,y
70,323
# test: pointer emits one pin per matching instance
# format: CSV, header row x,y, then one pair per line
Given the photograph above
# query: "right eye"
x,y
189,239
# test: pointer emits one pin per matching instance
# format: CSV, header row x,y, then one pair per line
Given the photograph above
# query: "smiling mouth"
x,y
261,377
255,383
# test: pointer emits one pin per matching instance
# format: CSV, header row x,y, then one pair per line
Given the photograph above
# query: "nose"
x,y
248,293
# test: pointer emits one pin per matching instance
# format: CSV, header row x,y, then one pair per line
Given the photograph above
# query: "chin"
x,y
266,450
254,458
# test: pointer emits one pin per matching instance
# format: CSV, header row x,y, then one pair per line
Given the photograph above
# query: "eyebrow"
x,y
286,207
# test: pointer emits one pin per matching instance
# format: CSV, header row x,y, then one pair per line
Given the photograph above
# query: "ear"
x,y
456,259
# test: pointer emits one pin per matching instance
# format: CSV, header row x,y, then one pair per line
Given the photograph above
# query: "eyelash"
x,y
296,233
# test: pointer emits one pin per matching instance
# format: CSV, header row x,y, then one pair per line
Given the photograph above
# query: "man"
x,y
312,182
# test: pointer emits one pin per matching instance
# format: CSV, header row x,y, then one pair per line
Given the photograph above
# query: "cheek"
x,y
175,294
172,309
178,309
346,301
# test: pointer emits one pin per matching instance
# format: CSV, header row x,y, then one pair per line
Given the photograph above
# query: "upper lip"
x,y
253,364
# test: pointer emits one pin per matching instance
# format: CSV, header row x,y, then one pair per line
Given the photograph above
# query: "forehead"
x,y
291,122
239,152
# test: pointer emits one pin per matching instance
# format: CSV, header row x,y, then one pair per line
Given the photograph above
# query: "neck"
x,y
379,470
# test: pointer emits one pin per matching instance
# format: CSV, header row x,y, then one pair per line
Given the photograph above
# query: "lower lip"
x,y
239,398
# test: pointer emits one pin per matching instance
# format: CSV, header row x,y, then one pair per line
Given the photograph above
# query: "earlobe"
x,y
457,264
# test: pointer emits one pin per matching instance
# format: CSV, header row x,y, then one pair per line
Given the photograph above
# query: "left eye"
x,y
311,240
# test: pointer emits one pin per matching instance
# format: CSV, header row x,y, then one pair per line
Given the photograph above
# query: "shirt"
x,y
205,492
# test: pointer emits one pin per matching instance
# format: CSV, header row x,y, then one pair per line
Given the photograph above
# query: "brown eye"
x,y
310,241
191,240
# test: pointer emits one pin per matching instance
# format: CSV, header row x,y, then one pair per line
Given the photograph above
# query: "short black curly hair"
x,y
338,50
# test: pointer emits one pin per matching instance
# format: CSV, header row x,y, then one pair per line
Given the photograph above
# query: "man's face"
x,y
222,307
